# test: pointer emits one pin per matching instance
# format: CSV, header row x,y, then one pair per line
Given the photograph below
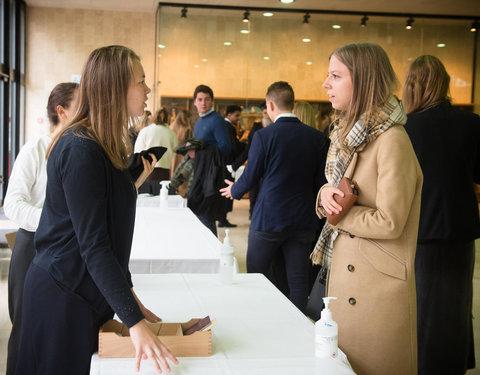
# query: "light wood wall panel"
x,y
240,71
58,42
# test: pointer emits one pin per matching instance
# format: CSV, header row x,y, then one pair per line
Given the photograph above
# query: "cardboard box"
x,y
114,340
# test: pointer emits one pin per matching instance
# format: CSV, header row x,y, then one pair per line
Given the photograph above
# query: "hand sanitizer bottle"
x,y
226,260
164,194
326,334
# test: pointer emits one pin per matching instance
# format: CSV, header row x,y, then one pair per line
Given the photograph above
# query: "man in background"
x,y
286,157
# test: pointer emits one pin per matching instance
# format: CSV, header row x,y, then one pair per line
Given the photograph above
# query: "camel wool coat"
x,y
372,271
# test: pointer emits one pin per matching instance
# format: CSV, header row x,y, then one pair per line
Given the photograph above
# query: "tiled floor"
x,y
238,237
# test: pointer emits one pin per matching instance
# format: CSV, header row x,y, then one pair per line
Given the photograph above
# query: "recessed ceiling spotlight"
x,y
195,66
309,63
227,43
287,1
161,46
204,60
306,40
245,31
336,27
268,14
266,58
441,45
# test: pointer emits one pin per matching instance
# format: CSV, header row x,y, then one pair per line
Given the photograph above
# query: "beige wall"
x,y
58,41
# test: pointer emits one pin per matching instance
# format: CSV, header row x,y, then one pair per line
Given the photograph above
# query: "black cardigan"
x,y
86,227
447,143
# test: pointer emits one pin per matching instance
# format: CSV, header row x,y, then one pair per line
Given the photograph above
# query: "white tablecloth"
x,y
171,240
258,330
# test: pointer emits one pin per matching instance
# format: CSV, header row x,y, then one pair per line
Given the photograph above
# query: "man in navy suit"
x,y
287,156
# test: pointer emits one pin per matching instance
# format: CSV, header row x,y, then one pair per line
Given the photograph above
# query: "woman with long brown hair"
x,y
369,254
79,276
447,143
157,134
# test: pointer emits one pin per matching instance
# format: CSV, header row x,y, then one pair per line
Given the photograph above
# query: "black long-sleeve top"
x,y
86,227
447,143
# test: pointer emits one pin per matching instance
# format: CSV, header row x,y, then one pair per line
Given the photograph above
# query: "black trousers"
x,y
59,328
444,273
22,255
265,247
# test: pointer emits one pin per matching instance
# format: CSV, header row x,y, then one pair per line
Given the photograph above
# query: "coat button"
x,y
352,301
351,268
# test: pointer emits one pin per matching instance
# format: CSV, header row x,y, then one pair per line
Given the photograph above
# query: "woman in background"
x,y
370,252
154,135
144,121
305,113
447,143
24,201
79,276
181,127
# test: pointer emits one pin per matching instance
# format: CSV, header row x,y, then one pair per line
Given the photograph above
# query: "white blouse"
x,y
26,187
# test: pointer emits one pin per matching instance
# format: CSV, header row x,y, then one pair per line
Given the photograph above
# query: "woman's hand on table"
x,y
148,346
147,170
327,200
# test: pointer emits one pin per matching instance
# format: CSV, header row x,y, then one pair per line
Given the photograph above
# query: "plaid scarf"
x,y
338,158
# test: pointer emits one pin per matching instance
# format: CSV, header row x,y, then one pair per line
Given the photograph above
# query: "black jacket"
x,y
447,143
204,197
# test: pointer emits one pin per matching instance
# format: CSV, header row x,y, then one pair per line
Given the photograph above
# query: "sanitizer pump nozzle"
x,y
164,194
326,333
226,260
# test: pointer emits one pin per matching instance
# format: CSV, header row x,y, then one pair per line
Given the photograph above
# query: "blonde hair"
x,y
147,115
102,102
373,81
181,125
426,84
305,113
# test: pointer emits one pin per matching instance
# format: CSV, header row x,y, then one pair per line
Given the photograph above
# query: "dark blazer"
x,y
447,143
289,157
236,146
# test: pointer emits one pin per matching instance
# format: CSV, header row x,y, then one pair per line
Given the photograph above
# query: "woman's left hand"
x,y
147,170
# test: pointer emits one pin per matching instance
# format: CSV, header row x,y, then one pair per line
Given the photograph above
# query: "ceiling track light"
x,y
364,21
184,13
410,21
306,18
474,26
246,14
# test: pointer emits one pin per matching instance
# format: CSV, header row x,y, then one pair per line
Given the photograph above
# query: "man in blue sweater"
x,y
210,127
288,158
204,201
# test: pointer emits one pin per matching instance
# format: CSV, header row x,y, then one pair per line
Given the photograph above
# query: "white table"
x,y
258,331
171,240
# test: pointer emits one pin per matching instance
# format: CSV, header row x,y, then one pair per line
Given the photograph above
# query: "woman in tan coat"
x,y
370,253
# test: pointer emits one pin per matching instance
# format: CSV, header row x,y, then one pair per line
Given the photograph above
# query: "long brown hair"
x,y
426,84
62,94
102,102
373,81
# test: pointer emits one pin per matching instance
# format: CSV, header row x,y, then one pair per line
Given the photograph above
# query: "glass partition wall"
x,y
239,60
